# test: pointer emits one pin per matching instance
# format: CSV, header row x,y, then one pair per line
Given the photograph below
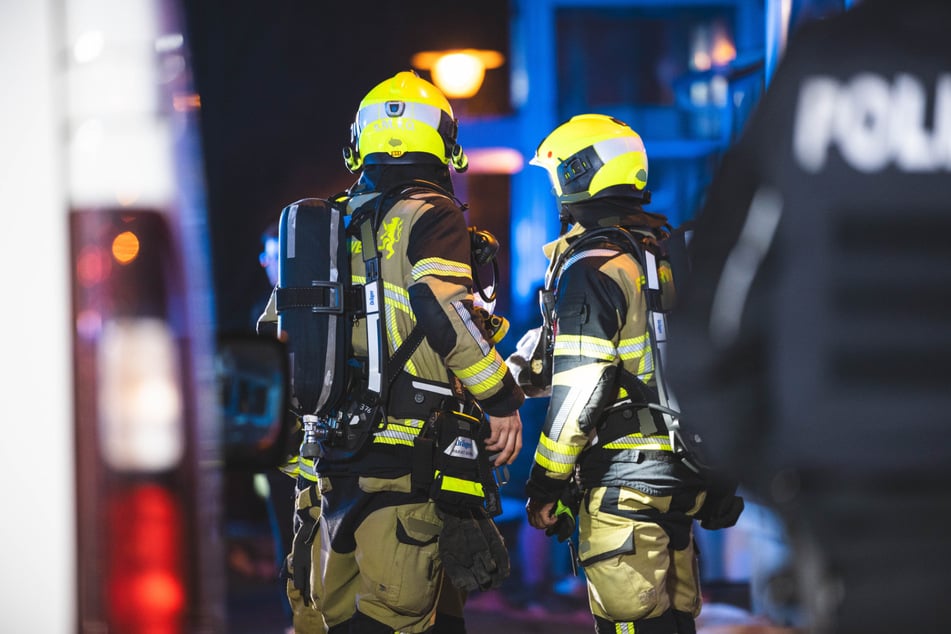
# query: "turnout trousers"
x,y
374,557
640,560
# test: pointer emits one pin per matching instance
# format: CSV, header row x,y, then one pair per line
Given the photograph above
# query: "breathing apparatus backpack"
x,y
315,307
338,400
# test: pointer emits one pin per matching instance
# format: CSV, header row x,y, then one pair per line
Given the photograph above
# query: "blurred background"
x,y
280,83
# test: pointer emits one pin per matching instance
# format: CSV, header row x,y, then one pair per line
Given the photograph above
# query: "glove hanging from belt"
x,y
472,550
722,506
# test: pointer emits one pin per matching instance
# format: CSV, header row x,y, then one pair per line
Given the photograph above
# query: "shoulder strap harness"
x,y
642,247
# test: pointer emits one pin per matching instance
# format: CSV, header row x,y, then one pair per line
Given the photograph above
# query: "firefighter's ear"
x,y
352,159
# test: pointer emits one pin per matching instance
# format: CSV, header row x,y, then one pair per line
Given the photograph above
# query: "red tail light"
x,y
145,571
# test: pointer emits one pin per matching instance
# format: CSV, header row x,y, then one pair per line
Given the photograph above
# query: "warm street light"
x,y
458,73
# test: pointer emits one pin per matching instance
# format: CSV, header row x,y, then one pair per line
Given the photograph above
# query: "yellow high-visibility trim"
x,y
399,296
291,467
298,466
645,368
556,457
458,485
557,447
639,441
402,433
585,346
396,298
381,439
484,374
634,347
553,460
552,466
440,266
639,349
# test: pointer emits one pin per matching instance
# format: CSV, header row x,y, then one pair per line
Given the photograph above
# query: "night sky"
x,y
280,83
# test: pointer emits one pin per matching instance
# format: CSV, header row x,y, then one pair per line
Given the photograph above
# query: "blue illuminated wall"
x,y
633,60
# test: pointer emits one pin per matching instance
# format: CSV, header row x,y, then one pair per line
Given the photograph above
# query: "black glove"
x,y
721,509
473,552
564,526
500,554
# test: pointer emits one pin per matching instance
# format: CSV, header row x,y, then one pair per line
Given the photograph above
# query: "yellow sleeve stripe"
x,y
555,447
484,375
551,466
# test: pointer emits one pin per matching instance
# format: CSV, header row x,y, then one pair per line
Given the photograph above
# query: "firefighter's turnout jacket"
x,y
427,281
603,378
424,248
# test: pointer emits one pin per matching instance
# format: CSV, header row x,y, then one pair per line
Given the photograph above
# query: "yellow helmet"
x,y
591,153
403,120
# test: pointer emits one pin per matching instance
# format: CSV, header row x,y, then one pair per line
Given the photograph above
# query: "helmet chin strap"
x,y
564,216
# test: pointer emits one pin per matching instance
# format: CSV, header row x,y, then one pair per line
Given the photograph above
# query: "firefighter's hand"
x,y
505,438
540,514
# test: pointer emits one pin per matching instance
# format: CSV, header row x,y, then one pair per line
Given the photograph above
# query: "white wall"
x,y
36,462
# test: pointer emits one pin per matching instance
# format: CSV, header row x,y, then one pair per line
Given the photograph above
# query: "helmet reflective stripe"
x,y
612,148
591,153
409,113
582,165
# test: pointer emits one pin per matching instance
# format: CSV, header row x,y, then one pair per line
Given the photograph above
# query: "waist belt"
x,y
412,397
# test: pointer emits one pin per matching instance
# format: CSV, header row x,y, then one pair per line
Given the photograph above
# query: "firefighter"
x,y
637,496
382,542
813,332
